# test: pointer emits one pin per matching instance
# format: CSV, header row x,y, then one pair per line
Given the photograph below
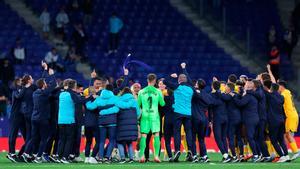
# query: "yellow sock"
x,y
183,142
294,147
270,147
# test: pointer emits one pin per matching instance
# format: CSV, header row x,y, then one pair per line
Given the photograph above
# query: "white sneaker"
x,y
282,159
93,160
287,158
87,160
78,159
295,156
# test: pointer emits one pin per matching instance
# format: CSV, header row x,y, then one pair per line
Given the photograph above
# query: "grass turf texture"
x,y
214,157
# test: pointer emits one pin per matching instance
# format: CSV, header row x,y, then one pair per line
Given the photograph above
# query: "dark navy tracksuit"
x,y
27,108
276,122
91,130
261,138
79,121
218,112
40,119
17,120
168,123
250,118
234,127
200,105
53,135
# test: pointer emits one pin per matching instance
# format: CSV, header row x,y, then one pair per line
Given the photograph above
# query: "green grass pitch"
x,y
215,164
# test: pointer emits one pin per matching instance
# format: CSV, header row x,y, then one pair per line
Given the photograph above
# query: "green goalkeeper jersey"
x,y
149,98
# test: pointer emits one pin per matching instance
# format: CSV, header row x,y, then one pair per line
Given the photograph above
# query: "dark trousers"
x,y
113,41
77,140
199,131
261,139
52,141
16,124
168,134
180,120
220,133
235,133
276,134
251,132
40,132
28,129
66,140
90,133
111,132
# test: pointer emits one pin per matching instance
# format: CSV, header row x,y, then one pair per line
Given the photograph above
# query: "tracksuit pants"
x,y
180,120
199,130
251,133
168,134
52,141
66,140
40,132
111,132
16,124
235,131
28,129
276,134
90,133
261,139
220,134
77,140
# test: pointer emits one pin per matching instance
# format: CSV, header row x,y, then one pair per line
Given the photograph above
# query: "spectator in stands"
x,y
52,59
290,40
45,21
72,56
79,38
7,72
62,20
87,8
19,52
272,36
3,99
274,61
115,26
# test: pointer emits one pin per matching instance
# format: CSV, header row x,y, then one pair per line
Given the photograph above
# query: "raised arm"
x,y
271,74
170,84
184,71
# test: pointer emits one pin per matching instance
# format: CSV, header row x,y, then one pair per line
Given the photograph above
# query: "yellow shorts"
x,y
291,124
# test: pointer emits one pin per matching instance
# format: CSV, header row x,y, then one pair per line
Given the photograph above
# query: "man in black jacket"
x,y
16,121
40,116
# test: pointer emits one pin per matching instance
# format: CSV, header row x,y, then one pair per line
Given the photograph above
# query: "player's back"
x,y
149,98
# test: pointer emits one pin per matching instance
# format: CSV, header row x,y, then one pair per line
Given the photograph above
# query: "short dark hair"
x,y
216,85
282,83
40,83
265,76
268,84
240,83
275,87
72,84
125,91
109,87
232,78
25,79
201,83
231,86
151,77
256,83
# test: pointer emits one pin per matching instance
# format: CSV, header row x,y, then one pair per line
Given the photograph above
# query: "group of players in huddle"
x,y
246,116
